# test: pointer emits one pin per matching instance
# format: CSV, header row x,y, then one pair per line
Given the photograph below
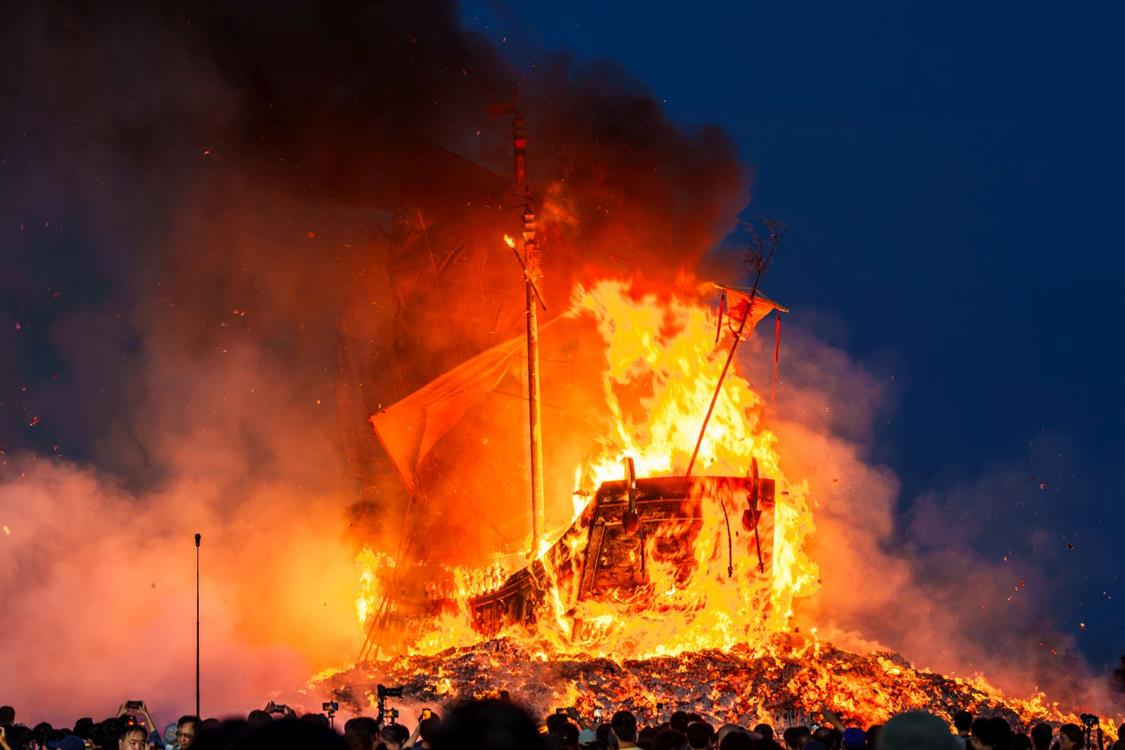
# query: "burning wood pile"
x,y
787,680
664,589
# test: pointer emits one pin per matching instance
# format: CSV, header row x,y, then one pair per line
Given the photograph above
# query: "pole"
x,y
532,276
719,385
198,538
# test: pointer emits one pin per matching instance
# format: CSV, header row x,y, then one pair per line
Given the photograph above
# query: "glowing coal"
x,y
787,680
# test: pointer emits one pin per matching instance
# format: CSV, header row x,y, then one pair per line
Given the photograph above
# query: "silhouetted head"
x,y
394,736
828,735
700,734
669,739
984,733
290,734
916,730
221,735
1003,731
360,733
1041,736
487,725
427,728
624,726
1070,737
796,737
740,741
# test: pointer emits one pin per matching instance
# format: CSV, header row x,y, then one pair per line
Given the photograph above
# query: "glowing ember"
x,y
784,680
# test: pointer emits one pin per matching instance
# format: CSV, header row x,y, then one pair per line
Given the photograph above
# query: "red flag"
x,y
408,429
739,297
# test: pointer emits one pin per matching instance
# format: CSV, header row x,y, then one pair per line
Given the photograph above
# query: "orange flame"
x,y
662,365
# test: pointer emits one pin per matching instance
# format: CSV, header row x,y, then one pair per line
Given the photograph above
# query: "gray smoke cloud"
x,y
970,578
213,219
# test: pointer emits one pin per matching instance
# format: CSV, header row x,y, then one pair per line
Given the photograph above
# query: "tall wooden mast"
x,y
532,275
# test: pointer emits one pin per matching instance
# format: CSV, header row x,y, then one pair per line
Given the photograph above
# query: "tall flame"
x,y
662,366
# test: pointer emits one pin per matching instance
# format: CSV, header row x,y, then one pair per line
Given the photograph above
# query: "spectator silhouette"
x,y
394,736
487,725
796,737
916,730
1003,733
700,735
361,733
963,723
1041,736
670,739
624,729
289,734
740,741
829,736
984,734
1070,737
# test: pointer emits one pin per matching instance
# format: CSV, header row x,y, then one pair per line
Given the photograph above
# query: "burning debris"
x,y
786,680
716,555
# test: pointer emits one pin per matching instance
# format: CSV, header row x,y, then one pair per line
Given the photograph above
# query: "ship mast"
x,y
532,275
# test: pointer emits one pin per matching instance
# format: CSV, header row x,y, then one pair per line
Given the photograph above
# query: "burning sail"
x,y
706,560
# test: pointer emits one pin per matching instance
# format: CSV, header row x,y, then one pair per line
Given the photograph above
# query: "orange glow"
x,y
661,366
782,680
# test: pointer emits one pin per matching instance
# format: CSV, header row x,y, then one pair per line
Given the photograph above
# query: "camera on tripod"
x,y
382,692
1093,732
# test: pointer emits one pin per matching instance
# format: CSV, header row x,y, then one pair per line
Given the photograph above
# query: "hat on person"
x,y
587,737
854,739
70,742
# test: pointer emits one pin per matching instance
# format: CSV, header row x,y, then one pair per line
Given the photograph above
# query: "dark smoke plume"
x,y
230,232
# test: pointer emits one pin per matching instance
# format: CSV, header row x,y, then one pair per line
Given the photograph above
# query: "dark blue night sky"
x,y
951,178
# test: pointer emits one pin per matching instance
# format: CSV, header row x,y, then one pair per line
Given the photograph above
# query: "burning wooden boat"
x,y
605,554
637,540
